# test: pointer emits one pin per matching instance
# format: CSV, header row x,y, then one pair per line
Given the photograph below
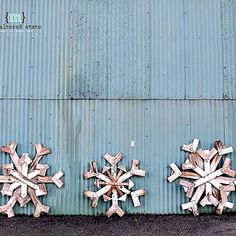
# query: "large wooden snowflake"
x,y
25,179
211,184
114,183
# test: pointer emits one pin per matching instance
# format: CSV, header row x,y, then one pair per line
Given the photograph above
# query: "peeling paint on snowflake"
x,y
114,183
24,179
211,181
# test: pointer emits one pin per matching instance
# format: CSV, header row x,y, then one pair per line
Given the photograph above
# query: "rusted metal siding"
x,y
100,74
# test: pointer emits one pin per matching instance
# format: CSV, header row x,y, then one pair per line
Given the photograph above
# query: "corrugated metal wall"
x,y
100,73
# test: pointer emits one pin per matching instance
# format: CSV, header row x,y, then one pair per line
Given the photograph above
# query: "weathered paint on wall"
x,y
139,49
99,74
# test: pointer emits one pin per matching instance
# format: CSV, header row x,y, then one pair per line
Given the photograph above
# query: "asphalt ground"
x,y
127,225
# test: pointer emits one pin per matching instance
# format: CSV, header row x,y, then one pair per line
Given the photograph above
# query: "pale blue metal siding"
x,y
101,73
167,49
81,131
204,63
135,49
229,36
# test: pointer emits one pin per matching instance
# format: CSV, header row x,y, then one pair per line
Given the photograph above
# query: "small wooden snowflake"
x,y
114,183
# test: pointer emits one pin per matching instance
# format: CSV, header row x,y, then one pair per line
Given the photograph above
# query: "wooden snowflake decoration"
x,y
114,183
211,184
25,179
